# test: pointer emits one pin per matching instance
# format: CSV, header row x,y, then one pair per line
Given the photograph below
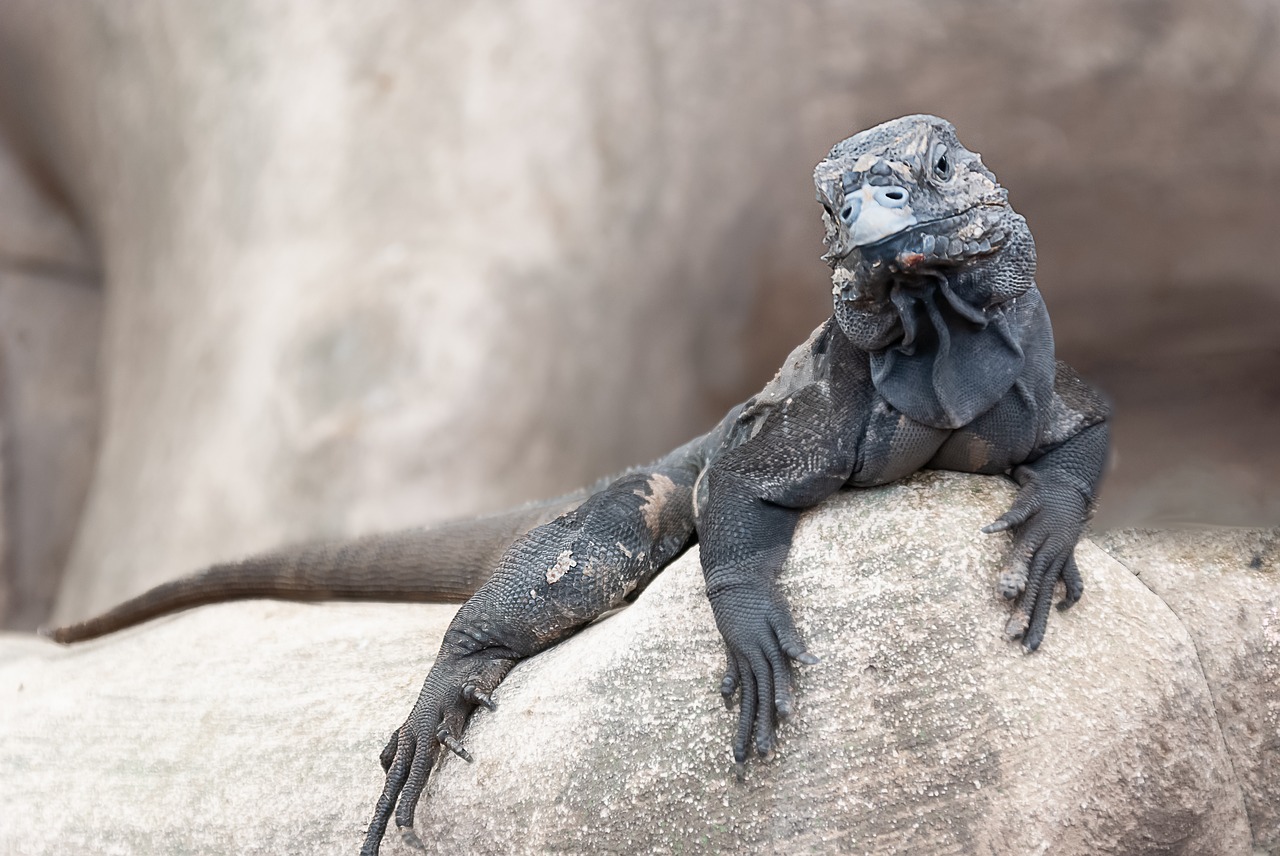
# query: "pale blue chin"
x,y
873,212
875,223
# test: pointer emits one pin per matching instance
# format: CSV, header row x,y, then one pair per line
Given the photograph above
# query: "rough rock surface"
x,y
1224,586
244,728
254,728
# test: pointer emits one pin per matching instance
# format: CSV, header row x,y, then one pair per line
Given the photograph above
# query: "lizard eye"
x,y
941,162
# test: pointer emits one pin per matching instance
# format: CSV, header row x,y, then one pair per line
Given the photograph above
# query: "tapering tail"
x,y
446,563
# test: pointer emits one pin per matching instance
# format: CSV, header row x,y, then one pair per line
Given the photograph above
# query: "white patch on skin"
x,y
697,492
660,489
830,171
972,230
867,161
623,549
875,221
842,278
564,562
1061,421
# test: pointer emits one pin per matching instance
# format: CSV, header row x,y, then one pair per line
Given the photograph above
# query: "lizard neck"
x,y
939,359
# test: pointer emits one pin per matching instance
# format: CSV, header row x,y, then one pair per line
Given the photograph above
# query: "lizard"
x,y
939,354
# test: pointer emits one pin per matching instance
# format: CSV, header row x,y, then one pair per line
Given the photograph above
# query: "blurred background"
x,y
274,271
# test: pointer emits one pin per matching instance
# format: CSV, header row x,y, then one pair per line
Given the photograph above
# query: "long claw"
x,y
453,745
480,697
797,652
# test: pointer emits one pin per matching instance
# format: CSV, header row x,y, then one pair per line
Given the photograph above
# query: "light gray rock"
x,y
50,316
242,728
1224,587
49,419
37,232
255,728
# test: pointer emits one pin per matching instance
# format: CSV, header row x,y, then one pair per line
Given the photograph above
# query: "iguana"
x,y
939,354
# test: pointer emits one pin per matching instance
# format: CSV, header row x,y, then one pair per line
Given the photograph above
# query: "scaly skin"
x,y
939,354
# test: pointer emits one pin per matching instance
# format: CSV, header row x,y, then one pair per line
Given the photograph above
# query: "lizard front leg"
x,y
1059,486
550,583
754,497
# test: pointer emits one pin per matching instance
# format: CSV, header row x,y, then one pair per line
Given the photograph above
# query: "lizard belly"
x,y
893,446
996,441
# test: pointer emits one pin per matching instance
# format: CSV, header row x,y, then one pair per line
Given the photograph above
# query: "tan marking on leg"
x,y
660,490
564,562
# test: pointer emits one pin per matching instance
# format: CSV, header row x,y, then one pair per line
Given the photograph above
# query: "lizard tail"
x,y
446,563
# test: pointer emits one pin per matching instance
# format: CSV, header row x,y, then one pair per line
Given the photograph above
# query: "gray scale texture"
x,y
959,374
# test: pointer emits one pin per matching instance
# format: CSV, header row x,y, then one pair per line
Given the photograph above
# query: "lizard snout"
x,y
873,212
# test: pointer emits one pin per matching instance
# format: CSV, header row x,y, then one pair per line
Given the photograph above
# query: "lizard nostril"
x,y
890,196
849,213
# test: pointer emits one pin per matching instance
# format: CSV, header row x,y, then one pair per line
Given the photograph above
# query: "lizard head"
x,y
908,210
927,261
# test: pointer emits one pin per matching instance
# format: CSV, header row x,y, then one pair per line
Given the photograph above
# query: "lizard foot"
x,y
760,644
453,689
1046,519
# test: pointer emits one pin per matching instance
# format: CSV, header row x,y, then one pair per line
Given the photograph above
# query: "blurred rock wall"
x,y
50,316
372,264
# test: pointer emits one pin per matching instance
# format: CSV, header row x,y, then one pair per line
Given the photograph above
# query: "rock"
x,y
37,233
255,727
50,315
49,413
1224,587
236,729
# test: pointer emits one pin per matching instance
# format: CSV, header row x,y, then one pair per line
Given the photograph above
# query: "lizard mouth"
x,y
943,242
889,291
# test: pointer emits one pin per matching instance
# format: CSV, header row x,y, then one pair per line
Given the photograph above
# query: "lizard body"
x,y
939,354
